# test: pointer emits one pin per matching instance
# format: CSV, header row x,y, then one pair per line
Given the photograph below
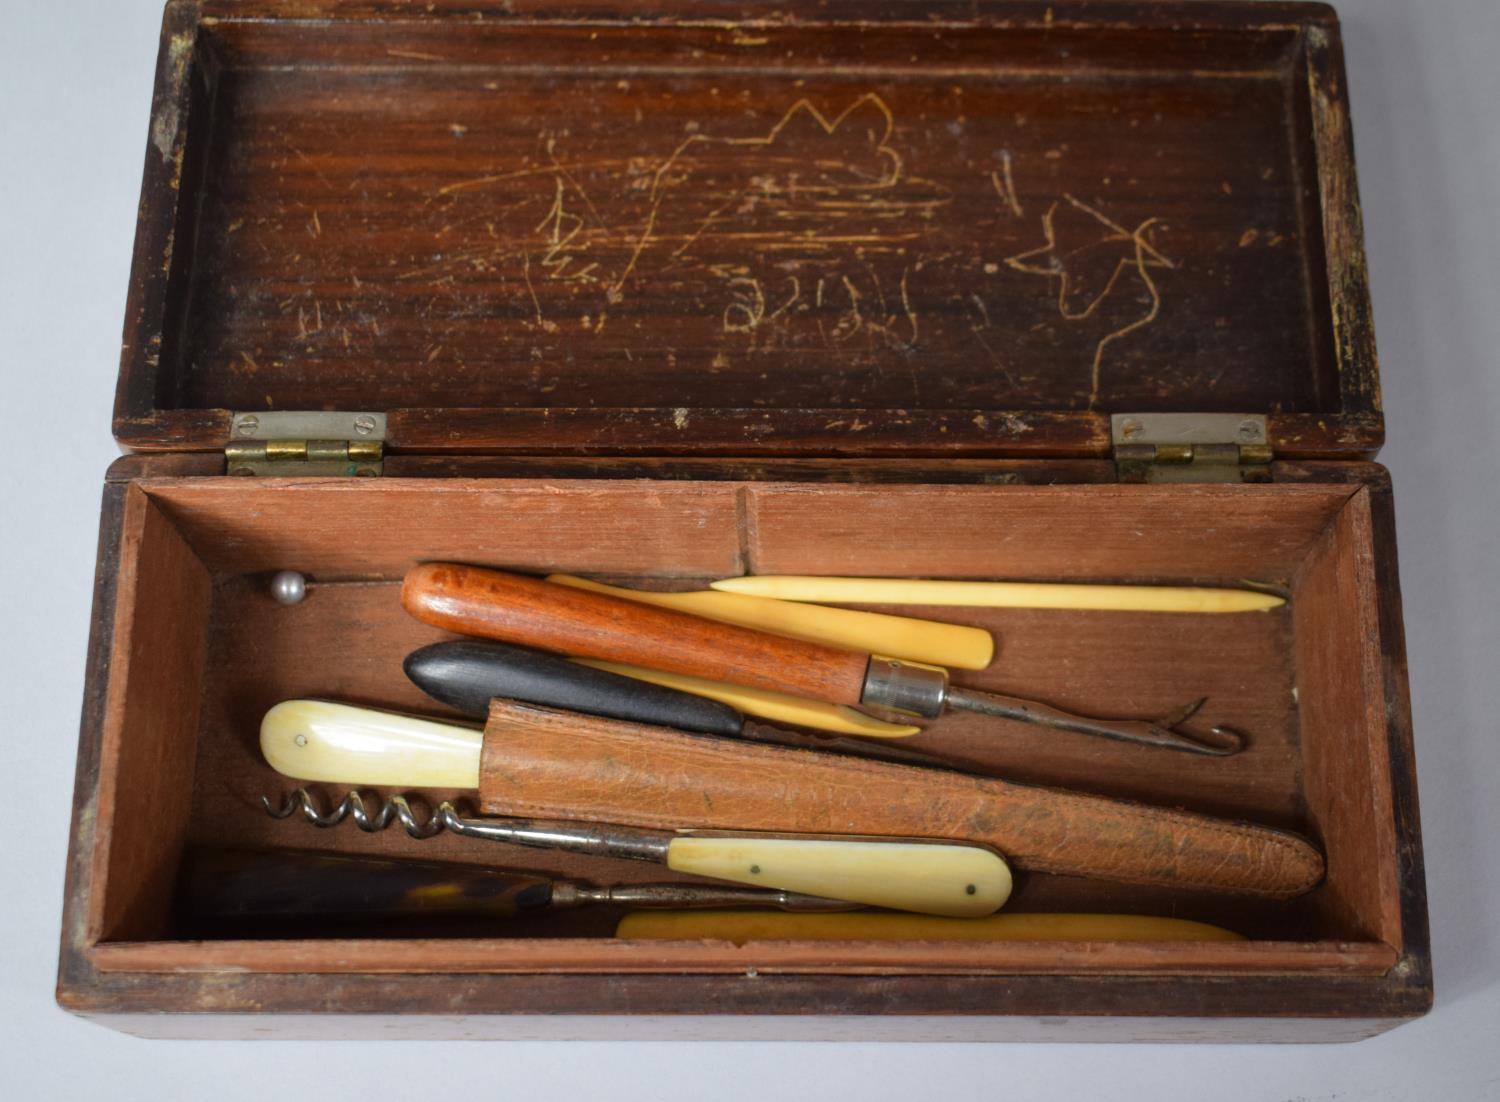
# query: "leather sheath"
x,y
559,765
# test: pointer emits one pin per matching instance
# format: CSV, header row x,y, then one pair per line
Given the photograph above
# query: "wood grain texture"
x,y
1207,532
545,764
978,234
516,609
149,725
1340,701
336,956
358,528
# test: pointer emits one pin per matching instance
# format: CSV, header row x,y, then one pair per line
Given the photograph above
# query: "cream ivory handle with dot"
x,y
319,740
959,881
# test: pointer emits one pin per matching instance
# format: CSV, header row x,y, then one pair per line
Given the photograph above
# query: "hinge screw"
x,y
1249,431
364,424
246,426
1130,428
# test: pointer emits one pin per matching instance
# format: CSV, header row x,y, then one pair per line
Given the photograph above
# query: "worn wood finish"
x,y
516,609
383,527
669,528
1207,531
1340,703
984,472
977,237
337,211
150,724
867,958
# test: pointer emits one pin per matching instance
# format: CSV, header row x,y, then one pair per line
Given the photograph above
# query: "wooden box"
x,y
995,289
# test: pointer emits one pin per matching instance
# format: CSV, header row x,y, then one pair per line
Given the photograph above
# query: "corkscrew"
x,y
906,874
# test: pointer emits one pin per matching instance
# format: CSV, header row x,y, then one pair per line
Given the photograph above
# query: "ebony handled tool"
x,y
516,609
467,674
235,887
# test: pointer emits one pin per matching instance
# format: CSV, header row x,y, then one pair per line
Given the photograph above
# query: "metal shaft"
x,y
926,691
1139,731
665,896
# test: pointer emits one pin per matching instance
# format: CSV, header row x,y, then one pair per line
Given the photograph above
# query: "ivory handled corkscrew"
x,y
338,743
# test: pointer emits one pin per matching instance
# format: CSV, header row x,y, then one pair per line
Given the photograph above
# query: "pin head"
x,y
289,587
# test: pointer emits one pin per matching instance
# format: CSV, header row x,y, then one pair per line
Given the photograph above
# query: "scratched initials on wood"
x,y
813,233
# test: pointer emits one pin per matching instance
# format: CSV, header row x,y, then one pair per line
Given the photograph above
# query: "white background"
x,y
75,84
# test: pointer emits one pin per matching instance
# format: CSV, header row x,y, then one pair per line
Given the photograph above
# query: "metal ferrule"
x,y
918,690
596,840
683,896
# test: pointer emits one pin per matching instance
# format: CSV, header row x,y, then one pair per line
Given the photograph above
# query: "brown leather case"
x,y
538,762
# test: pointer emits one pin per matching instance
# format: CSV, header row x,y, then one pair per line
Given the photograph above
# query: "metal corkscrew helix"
x,y
602,841
928,875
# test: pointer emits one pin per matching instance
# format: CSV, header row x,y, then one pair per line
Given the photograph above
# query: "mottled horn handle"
x,y
229,886
515,609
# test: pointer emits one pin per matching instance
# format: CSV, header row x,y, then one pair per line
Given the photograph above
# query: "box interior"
x,y
202,651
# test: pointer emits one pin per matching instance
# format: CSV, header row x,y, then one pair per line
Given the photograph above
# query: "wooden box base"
x,y
189,650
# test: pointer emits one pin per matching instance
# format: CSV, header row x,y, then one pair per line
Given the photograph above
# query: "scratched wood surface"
x,y
808,237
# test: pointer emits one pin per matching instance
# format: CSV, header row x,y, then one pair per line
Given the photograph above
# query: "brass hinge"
x,y
1190,447
306,443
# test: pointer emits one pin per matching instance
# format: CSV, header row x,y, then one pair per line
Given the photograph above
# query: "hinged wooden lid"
x,y
851,229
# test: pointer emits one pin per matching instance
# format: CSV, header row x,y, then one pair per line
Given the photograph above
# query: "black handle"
x,y
466,675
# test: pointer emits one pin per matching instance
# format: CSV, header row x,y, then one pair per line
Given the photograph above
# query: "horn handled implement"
x,y
229,887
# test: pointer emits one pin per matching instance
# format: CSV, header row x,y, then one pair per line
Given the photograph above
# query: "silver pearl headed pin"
x,y
289,587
